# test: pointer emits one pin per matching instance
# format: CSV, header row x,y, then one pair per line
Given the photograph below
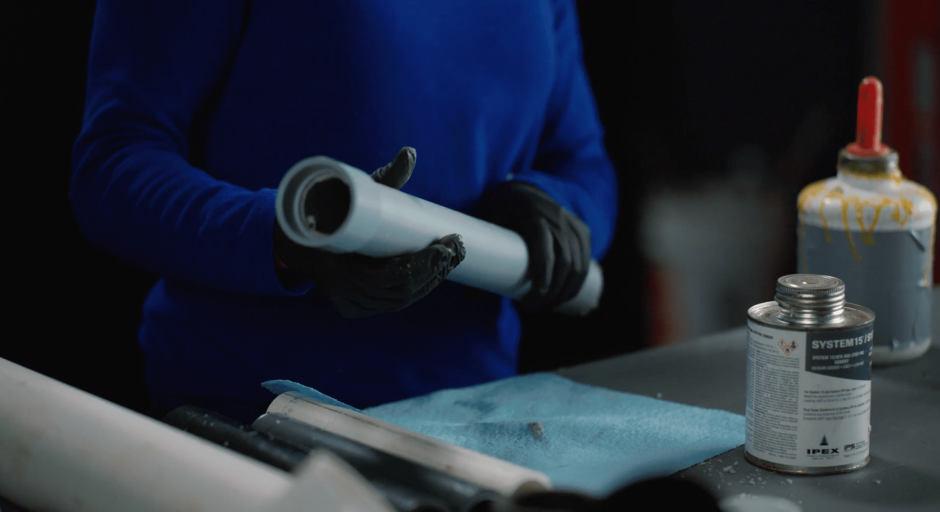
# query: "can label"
x,y
808,395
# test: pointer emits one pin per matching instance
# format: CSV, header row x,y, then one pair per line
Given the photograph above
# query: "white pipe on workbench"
x,y
62,449
383,221
480,469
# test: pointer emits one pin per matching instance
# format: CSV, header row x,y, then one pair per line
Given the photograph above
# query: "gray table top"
x,y
904,473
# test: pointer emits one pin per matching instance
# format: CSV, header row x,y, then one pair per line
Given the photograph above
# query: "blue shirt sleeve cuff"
x,y
267,280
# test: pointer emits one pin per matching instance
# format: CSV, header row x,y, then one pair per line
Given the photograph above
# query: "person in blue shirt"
x,y
194,111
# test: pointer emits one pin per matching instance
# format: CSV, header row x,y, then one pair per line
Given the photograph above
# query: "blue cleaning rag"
x,y
585,438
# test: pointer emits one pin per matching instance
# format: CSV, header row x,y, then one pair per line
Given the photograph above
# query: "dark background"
x,y
679,84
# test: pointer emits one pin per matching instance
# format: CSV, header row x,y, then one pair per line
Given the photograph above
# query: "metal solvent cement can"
x,y
808,379
874,229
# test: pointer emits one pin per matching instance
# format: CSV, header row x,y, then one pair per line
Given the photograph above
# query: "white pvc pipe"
x,y
62,449
383,221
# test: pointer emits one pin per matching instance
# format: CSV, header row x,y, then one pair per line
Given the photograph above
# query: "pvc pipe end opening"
x,y
326,205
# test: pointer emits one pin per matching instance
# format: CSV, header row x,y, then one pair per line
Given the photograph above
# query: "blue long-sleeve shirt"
x,y
196,109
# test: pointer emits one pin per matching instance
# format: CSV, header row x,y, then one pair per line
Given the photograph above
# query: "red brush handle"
x,y
868,127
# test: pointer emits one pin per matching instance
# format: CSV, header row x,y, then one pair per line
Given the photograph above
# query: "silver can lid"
x,y
810,285
811,299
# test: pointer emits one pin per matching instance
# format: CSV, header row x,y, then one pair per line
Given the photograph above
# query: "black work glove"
x,y
360,286
559,243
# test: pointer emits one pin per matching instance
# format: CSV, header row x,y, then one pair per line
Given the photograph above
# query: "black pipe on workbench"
x,y
266,448
460,495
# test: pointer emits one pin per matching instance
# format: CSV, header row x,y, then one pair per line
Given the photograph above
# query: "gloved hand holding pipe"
x,y
371,248
358,285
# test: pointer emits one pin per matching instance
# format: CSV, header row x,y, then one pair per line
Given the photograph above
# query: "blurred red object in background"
x,y
907,59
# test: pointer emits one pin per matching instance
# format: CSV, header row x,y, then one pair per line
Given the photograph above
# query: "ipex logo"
x,y
822,451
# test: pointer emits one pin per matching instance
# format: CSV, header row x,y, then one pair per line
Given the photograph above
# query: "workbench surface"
x,y
904,473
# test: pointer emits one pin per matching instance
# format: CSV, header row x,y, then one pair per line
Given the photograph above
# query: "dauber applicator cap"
x,y
868,128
